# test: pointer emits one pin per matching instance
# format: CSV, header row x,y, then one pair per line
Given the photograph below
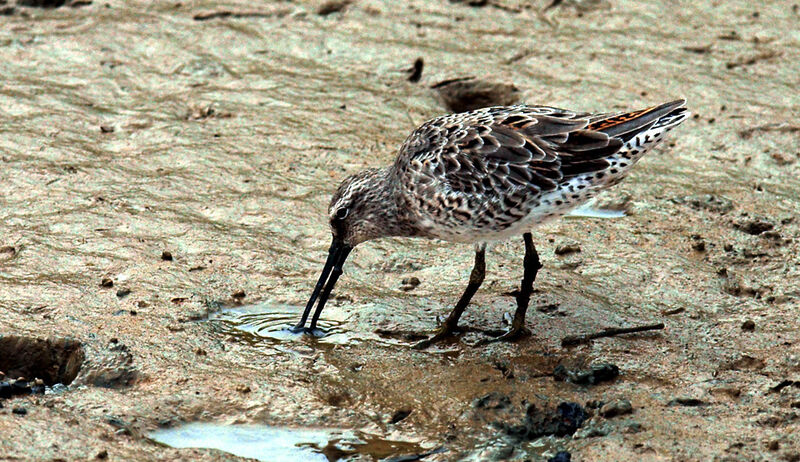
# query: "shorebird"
x,y
484,176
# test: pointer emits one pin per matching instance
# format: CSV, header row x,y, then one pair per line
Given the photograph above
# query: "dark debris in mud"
x,y
754,226
493,400
236,14
561,456
686,401
708,202
596,373
415,71
11,388
564,420
333,6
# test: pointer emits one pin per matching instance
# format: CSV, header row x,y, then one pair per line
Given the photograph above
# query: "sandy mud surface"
x,y
165,168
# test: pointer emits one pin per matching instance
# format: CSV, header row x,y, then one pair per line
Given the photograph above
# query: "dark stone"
x,y
561,456
166,255
749,325
19,410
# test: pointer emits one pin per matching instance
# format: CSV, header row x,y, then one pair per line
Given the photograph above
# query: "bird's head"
x,y
362,208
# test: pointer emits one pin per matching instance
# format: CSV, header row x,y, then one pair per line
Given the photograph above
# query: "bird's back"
x,y
495,172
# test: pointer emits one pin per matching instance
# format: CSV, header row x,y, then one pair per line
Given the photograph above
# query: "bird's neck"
x,y
386,208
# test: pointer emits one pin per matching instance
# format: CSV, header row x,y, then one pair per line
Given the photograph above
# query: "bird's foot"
x,y
445,331
315,332
514,333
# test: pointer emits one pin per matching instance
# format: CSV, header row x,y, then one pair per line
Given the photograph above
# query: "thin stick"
x,y
571,340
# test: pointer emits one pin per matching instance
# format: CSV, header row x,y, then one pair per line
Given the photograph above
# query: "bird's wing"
x,y
495,152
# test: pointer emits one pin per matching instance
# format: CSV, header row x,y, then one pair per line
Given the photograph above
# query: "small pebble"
x,y
565,249
19,410
615,408
106,282
123,292
632,427
241,388
593,430
239,294
749,326
106,129
102,455
409,283
166,255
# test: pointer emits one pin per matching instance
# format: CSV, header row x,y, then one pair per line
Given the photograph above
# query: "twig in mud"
x,y
750,60
571,340
700,50
774,127
217,14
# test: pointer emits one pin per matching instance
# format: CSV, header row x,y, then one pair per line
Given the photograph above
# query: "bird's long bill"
x,y
337,255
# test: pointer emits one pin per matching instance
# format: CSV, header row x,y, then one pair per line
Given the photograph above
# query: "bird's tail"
x,y
658,119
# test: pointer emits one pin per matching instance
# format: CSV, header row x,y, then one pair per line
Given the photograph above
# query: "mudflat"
x,y
165,171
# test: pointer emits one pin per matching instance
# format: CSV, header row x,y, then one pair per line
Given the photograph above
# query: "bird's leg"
x,y
532,266
450,325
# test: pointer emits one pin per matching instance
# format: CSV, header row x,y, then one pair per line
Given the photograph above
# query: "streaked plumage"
x,y
493,173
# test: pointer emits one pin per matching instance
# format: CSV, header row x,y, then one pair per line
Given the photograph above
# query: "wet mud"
x,y
165,169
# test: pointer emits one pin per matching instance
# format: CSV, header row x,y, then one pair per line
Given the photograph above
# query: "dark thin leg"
x,y
450,325
532,266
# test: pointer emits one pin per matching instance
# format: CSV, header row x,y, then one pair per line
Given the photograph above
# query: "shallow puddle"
x,y
281,444
270,325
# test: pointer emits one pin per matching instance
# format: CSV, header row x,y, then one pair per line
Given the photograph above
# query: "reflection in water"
x,y
280,444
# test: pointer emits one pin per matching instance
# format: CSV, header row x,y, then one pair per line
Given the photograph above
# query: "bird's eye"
x,y
342,213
